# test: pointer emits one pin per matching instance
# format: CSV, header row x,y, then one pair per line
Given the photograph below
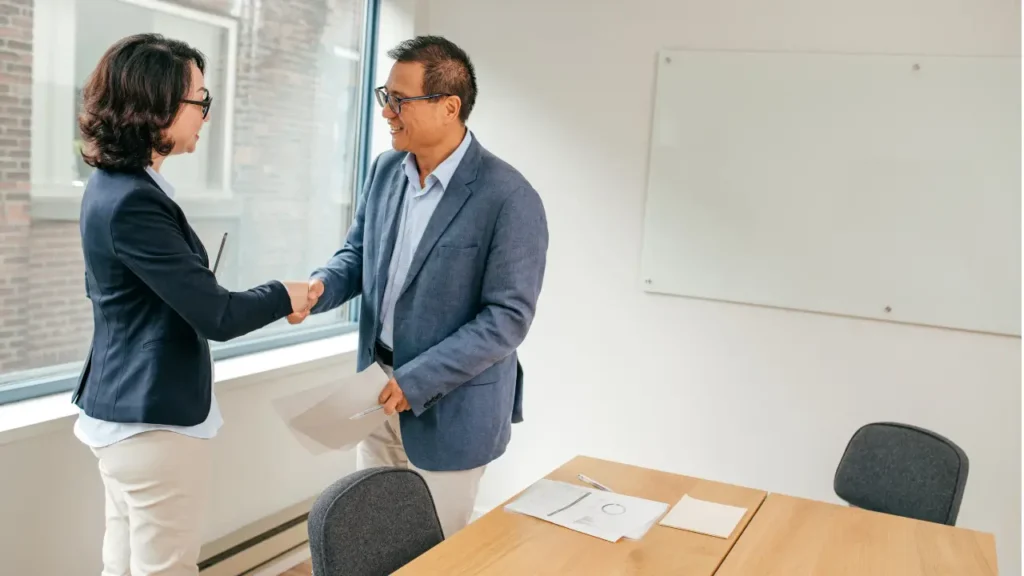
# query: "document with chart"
x,y
337,415
606,515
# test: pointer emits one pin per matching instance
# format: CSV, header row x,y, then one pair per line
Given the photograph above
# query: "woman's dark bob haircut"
x,y
134,94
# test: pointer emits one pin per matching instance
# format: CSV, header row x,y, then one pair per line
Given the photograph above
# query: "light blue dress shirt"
x,y
100,433
417,207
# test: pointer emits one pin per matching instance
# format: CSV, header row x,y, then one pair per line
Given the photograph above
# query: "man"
x,y
448,250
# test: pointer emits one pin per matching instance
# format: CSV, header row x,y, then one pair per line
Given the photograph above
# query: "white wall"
x,y
759,397
51,497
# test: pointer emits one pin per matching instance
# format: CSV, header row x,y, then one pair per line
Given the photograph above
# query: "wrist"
x,y
319,306
283,304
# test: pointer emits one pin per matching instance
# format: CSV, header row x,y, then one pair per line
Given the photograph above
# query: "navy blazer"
x,y
155,304
467,304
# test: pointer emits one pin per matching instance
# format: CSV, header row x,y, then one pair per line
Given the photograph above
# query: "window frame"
x,y
53,147
48,380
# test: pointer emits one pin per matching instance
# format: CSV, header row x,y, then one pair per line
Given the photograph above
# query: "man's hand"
x,y
314,290
393,398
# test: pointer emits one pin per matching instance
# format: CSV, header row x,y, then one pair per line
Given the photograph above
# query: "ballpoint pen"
x,y
594,483
365,412
216,263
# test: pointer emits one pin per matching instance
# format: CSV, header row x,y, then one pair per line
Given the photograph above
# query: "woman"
x,y
145,394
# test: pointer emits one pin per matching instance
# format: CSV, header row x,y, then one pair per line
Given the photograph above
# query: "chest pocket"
x,y
457,263
442,245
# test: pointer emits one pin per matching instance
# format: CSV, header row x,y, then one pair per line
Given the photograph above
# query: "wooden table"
x,y
796,537
514,544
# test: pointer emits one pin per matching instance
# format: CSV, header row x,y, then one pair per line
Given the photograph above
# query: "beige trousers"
x,y
156,493
454,493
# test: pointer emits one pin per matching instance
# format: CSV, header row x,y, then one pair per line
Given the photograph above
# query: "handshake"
x,y
304,295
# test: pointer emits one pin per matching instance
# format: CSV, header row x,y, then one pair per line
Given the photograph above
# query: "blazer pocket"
x,y
457,249
456,262
149,345
490,376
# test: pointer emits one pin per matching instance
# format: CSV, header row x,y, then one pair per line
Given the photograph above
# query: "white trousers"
x,y
157,486
454,493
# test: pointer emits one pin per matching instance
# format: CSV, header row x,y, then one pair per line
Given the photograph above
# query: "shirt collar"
x,y
162,182
445,170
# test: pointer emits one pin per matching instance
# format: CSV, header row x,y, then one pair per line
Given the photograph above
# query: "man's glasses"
x,y
204,103
395,103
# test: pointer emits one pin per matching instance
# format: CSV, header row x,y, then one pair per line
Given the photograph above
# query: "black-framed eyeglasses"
x,y
395,103
204,103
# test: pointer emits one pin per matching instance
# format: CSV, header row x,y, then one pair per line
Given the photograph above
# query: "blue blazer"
x,y
155,304
467,303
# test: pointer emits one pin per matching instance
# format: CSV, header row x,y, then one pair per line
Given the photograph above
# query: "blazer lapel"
x,y
194,242
388,226
454,198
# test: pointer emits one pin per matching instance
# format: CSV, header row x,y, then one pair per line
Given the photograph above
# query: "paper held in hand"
x,y
605,515
321,417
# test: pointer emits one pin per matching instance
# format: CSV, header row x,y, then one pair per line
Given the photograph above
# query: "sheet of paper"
x,y
704,517
604,515
320,417
641,531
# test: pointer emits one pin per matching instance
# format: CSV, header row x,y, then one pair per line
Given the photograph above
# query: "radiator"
x,y
245,551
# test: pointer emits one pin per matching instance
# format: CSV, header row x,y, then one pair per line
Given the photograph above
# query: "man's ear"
x,y
452,107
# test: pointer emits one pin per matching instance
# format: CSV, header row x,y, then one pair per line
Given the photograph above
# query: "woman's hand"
x,y
298,292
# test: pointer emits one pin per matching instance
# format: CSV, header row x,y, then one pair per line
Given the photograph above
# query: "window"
x,y
58,76
276,168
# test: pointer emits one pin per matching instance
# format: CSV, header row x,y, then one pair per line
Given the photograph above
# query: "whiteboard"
x,y
875,186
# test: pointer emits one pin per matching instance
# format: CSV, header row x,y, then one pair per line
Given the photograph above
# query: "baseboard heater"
x,y
257,544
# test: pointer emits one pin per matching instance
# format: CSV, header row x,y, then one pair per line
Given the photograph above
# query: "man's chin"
x,y
399,143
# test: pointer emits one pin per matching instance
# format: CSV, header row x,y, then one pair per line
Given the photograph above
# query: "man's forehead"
x,y
406,78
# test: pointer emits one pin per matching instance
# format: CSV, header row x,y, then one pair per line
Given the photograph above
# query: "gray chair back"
x,y
372,522
903,470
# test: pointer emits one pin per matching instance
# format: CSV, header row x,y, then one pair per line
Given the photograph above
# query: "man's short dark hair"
x,y
131,97
446,68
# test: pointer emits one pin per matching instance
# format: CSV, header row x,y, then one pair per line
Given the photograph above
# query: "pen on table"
x,y
365,412
220,250
594,483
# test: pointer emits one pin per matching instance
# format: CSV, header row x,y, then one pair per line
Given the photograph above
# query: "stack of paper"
x,y
321,418
605,515
704,517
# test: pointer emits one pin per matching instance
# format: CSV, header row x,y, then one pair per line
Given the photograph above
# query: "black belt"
x,y
385,354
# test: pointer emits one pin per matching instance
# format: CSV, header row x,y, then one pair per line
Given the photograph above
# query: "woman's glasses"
x,y
204,103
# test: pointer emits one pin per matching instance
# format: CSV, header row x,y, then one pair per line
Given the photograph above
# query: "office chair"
x,y
372,522
903,470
